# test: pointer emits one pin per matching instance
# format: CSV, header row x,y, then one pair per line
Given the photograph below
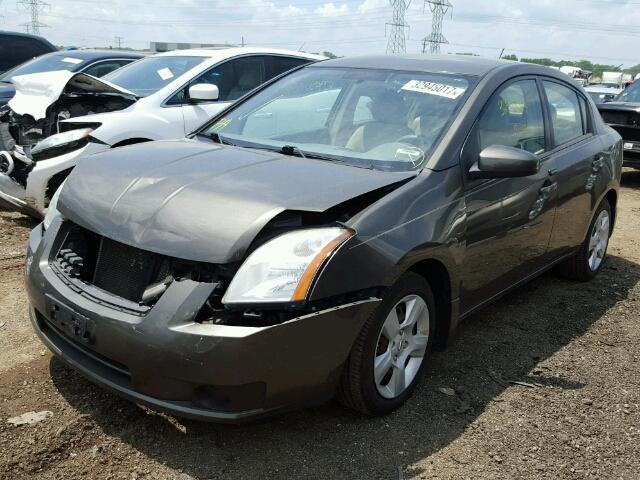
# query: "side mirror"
x,y
499,161
203,92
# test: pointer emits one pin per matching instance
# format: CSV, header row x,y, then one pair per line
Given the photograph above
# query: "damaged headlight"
x,y
283,269
61,143
52,211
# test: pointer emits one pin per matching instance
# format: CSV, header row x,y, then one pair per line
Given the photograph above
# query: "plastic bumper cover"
x,y
165,360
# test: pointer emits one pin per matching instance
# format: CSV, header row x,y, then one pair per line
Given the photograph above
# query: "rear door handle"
x,y
552,171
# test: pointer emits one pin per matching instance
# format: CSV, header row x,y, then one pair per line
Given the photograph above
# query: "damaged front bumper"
x,y
166,360
28,188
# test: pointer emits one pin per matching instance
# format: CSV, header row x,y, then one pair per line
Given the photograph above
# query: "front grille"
x,y
86,258
112,266
123,270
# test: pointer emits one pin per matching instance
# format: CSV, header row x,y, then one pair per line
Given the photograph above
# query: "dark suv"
x,y
16,48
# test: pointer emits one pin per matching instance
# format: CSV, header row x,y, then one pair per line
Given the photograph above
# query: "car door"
x,y
578,156
508,220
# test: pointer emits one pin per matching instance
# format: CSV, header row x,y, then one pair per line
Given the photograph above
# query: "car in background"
x,y
92,62
17,48
323,235
602,94
623,115
54,120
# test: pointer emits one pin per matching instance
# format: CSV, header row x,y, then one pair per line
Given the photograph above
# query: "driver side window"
x,y
513,118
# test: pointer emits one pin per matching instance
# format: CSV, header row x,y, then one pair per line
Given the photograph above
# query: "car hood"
x,y
202,201
37,91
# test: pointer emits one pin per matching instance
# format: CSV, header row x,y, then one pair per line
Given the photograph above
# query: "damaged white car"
x,y
56,118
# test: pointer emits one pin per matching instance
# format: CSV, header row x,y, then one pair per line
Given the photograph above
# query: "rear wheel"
x,y
586,264
391,350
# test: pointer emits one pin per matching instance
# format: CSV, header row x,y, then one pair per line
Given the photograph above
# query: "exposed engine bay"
x,y
41,107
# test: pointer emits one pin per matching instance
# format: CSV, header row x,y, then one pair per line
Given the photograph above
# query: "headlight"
x,y
282,269
52,211
61,143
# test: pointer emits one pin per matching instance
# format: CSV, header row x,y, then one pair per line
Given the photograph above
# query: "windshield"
x,y
382,119
630,94
150,74
45,63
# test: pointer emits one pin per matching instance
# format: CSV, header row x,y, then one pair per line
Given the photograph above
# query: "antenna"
x,y
35,6
438,9
397,43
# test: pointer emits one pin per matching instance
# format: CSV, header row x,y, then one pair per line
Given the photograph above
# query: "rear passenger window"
x,y
566,115
513,117
284,64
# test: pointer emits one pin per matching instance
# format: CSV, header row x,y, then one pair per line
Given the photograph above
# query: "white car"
x,y
58,117
600,94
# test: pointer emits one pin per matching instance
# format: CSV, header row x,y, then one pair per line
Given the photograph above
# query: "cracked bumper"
x,y
164,360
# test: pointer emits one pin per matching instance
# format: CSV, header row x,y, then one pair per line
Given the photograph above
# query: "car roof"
x,y
460,64
96,54
29,35
223,53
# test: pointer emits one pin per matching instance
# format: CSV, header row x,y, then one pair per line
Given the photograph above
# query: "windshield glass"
x,y
630,94
150,74
383,119
45,63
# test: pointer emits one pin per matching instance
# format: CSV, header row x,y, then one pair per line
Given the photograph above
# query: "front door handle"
x,y
548,190
552,171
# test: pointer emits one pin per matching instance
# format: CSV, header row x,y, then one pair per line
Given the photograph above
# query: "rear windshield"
x,y
631,94
150,74
45,63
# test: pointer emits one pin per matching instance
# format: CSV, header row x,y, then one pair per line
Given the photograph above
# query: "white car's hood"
x,y
37,91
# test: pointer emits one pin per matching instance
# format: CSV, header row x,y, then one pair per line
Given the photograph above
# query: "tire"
x,y
358,388
581,266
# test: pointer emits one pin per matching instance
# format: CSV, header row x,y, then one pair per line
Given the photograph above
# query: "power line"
x,y
436,38
397,43
35,6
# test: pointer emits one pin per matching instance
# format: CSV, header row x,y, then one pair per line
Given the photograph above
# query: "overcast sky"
x,y
603,31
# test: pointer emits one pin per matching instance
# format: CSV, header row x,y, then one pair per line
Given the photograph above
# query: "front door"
x,y
509,220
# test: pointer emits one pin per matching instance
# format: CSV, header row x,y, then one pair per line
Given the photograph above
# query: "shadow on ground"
x,y
502,343
631,178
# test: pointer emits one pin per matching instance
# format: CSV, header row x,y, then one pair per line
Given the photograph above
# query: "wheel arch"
x,y
612,197
437,275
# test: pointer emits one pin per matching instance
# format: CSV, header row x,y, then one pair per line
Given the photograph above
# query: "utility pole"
x,y
118,42
396,42
438,9
34,6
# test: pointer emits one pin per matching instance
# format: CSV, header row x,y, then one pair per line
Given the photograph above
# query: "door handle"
x,y
548,190
552,171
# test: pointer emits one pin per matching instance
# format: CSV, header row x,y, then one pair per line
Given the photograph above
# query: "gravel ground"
x,y
575,413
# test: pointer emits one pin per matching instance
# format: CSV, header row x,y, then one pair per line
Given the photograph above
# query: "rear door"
x,y
509,220
578,156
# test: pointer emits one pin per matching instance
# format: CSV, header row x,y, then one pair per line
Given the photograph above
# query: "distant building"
x,y
169,46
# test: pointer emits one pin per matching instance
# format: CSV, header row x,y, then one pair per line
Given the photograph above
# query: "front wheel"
x,y
586,263
391,350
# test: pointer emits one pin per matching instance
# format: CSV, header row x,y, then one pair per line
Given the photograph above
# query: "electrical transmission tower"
x,y
35,6
118,42
438,9
397,43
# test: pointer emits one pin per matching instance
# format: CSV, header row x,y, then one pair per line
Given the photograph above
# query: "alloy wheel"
x,y
401,346
598,240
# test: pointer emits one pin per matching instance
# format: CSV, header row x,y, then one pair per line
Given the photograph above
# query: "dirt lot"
x,y
576,414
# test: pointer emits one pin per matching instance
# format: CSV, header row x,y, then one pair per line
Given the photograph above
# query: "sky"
x,y
603,31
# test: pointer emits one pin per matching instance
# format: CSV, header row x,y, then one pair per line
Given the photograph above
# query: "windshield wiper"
x,y
295,150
